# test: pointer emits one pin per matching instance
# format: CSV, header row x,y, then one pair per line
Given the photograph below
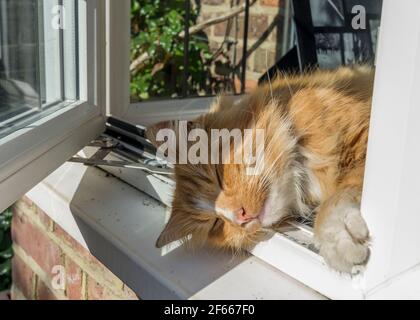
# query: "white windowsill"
x,y
119,225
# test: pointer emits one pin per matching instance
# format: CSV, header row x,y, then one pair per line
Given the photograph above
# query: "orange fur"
x,y
316,130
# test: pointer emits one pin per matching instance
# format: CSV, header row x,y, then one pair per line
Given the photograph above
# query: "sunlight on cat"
x,y
315,139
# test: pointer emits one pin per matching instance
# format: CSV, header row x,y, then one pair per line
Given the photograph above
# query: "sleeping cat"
x,y
316,131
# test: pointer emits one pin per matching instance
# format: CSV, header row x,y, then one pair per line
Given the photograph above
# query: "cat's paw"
x,y
342,239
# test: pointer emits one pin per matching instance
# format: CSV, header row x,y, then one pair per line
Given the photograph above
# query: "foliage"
x,y
155,26
6,252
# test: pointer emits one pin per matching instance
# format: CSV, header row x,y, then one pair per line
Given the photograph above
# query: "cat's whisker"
x,y
287,83
268,76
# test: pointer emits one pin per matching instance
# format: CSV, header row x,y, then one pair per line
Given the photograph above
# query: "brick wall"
x,y
48,264
265,33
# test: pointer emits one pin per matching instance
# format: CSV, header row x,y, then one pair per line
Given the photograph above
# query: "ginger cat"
x,y
316,130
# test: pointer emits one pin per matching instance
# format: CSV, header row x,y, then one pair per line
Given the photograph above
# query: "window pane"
x,y
282,37
212,63
353,40
327,13
38,60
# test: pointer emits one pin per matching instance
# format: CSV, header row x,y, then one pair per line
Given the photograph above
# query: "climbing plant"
x,y
157,50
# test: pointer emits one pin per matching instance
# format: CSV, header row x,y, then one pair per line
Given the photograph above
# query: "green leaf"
x,y
6,251
7,254
135,5
158,23
5,219
5,268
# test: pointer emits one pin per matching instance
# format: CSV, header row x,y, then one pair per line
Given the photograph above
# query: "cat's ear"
x,y
174,230
182,227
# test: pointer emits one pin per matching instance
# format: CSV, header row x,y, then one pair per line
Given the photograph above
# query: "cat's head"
x,y
223,202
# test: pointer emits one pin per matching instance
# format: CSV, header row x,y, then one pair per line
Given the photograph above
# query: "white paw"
x,y
342,239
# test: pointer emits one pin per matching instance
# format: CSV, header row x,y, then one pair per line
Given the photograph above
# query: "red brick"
x,y
94,263
26,207
129,294
249,85
27,201
272,3
275,34
241,24
96,291
43,218
220,29
73,280
263,59
204,17
36,243
257,25
22,277
71,242
43,292
214,46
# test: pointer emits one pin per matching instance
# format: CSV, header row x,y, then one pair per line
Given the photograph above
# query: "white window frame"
x,y
389,202
29,154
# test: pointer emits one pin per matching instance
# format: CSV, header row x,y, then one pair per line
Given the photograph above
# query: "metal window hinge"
x,y
106,146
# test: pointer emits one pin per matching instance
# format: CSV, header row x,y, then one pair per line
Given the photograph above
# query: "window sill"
x,y
119,225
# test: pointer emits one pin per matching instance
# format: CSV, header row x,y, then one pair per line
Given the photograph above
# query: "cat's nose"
x,y
242,216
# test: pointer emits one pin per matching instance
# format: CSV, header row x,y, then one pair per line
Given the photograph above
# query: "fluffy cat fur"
x,y
316,131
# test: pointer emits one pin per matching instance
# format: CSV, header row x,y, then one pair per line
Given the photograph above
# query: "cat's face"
x,y
222,203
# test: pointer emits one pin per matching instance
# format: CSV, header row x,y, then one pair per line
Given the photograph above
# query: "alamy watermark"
x,y
58,20
224,146
60,278
193,146
358,22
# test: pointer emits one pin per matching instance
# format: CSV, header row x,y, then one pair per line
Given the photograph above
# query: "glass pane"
x,y
327,13
328,49
214,57
353,40
282,37
371,6
270,42
38,60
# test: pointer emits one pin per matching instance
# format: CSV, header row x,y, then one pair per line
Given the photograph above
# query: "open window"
x,y
50,80
85,88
